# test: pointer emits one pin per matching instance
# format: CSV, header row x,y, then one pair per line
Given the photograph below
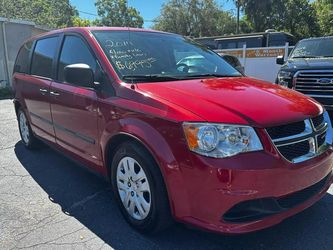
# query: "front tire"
x,y
28,138
139,189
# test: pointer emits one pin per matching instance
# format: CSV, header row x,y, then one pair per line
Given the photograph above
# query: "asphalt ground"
x,y
48,202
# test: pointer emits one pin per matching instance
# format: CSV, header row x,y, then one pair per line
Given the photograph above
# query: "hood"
x,y
239,100
310,63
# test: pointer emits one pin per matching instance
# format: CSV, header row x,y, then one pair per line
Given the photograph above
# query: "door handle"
x,y
54,93
43,91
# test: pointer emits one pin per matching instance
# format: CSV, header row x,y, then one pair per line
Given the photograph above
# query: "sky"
x,y
149,9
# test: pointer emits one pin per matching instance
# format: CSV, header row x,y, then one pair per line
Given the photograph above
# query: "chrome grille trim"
x,y
329,87
310,134
308,82
314,90
307,131
320,96
320,128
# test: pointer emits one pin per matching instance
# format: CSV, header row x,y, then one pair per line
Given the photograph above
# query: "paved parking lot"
x,y
47,202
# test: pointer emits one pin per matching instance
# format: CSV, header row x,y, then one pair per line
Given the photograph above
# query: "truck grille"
x,y
314,82
300,141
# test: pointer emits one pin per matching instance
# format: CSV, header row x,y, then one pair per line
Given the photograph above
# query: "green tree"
x,y
226,24
324,10
80,22
257,13
299,18
295,16
117,13
53,14
195,18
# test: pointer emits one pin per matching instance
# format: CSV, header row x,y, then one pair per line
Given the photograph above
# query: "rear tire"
x,y
139,189
28,138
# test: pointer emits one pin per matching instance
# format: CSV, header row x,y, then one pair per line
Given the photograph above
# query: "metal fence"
x,y
12,35
259,62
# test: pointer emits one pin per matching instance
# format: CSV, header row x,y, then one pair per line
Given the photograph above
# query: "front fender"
x,y
157,136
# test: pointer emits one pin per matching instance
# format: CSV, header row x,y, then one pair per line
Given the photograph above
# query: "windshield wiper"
x,y
161,78
310,56
209,75
149,78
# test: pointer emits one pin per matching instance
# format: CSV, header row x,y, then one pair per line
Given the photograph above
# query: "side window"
x,y
74,50
42,58
22,61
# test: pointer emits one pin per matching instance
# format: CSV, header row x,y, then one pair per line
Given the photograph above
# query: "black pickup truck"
x,y
309,69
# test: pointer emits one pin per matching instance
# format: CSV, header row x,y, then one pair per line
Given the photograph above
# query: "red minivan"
x,y
201,144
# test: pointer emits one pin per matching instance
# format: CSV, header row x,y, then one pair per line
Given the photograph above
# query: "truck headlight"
x,y
284,77
220,140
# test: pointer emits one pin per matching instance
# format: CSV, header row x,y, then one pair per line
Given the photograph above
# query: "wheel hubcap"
x,y
133,188
24,128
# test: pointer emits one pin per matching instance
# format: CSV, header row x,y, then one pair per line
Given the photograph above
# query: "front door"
x,y
74,107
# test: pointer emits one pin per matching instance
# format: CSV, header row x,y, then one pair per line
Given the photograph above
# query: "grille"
x,y
295,150
318,82
300,141
321,139
286,130
318,121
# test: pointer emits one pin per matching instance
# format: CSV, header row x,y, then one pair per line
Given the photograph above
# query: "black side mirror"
x,y
79,74
280,60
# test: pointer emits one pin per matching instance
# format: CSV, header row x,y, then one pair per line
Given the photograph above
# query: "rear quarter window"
x,y
22,63
42,59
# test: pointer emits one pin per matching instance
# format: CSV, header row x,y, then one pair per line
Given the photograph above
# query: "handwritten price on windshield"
x,y
133,65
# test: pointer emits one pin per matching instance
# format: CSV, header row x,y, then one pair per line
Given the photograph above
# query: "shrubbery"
x,y
6,93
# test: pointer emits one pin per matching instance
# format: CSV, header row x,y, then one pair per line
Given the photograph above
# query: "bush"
x,y
6,93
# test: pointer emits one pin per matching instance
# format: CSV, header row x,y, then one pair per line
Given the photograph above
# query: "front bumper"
x,y
216,186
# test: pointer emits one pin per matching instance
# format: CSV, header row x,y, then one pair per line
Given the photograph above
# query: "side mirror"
x,y
280,60
79,74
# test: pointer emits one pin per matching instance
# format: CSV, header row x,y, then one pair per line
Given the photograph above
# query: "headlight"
x,y
220,140
284,77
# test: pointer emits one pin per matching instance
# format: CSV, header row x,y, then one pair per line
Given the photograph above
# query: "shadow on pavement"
x,y
88,199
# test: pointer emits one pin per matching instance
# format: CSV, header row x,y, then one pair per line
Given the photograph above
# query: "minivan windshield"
x,y
141,56
314,48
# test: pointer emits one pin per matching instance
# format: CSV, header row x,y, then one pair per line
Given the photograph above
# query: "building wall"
x,y
12,35
3,70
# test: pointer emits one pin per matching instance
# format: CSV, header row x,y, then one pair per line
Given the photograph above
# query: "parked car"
x,y
213,149
309,69
194,63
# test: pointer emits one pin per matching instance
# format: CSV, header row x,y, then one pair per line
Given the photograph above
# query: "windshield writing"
x,y
150,53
